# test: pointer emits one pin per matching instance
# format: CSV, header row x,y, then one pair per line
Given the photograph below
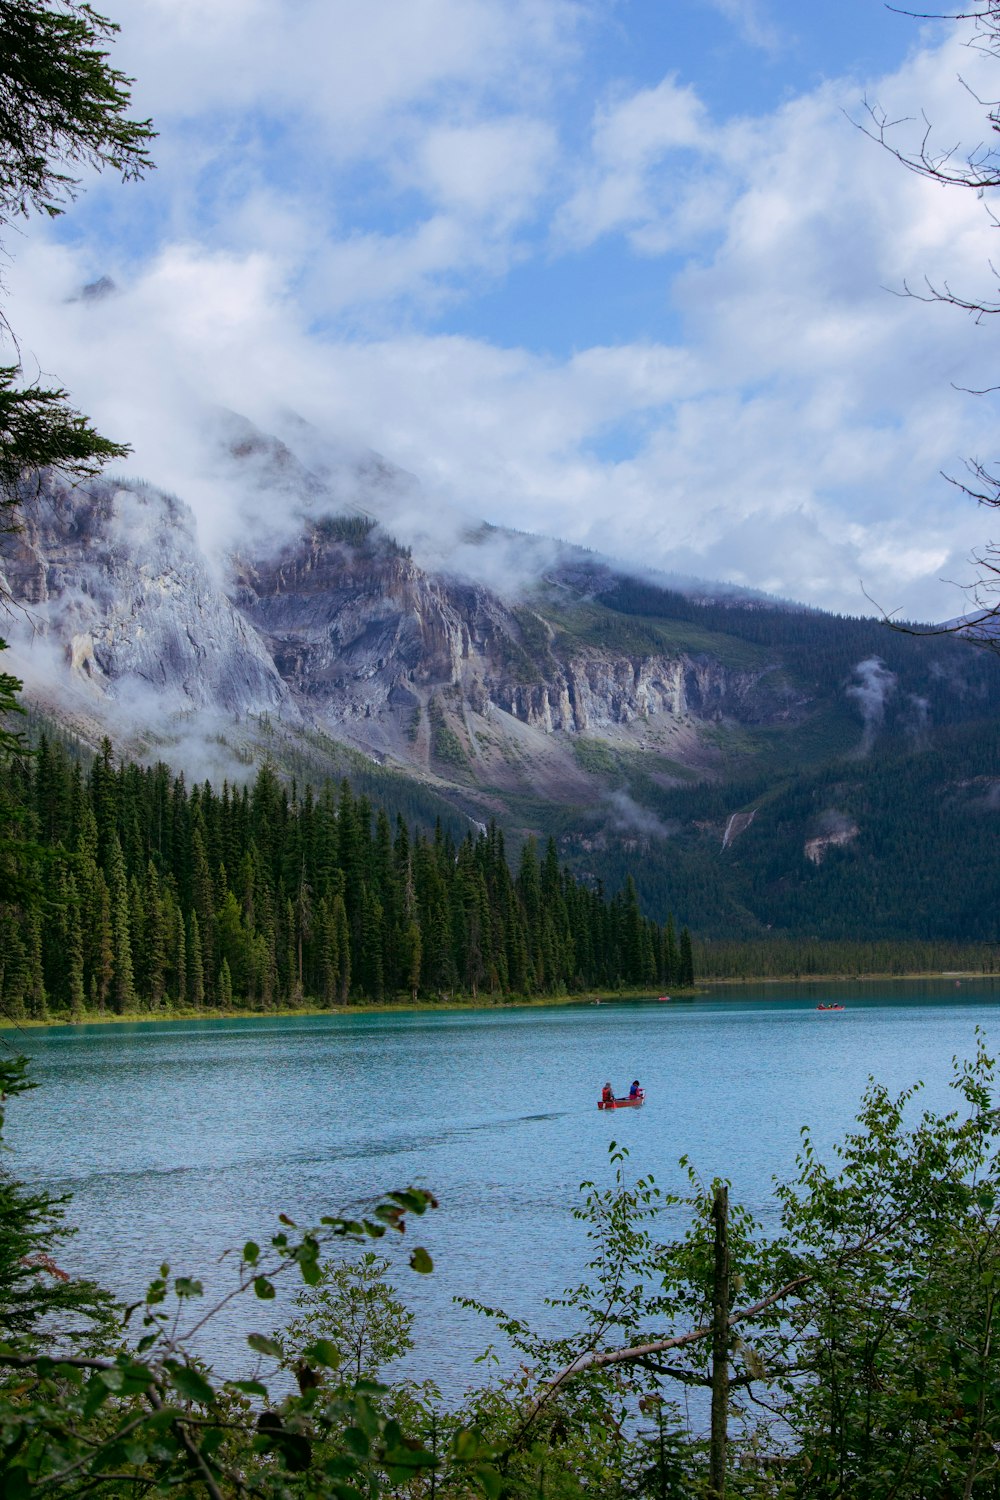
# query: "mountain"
x,y
756,766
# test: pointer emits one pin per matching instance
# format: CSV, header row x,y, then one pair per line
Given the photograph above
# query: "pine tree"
x,y
686,959
203,900
225,990
412,954
180,958
157,939
75,993
196,964
371,974
123,997
343,934
35,997
13,963
102,970
671,957
329,961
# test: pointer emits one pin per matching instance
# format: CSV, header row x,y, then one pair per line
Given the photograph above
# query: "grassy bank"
x,y
362,1008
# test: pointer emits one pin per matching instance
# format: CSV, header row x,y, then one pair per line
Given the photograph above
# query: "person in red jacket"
x,y
607,1094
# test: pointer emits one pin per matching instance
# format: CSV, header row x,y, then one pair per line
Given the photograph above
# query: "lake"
x,y
181,1139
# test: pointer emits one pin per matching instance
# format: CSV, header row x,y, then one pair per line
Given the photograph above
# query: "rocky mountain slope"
x,y
648,727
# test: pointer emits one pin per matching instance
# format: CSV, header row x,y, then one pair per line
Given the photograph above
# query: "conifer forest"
x,y
138,893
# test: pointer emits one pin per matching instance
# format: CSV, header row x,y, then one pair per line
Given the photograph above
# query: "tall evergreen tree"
x,y
123,996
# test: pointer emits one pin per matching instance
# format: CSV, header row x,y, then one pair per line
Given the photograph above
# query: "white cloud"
x,y
487,169
318,118
348,67
790,435
637,176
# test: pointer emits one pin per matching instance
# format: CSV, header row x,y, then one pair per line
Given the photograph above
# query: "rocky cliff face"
x,y
118,598
405,663
340,629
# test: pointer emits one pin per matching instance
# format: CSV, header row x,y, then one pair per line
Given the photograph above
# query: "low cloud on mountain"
x,y
773,415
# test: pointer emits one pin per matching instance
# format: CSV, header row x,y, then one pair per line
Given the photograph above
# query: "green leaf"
x,y
261,1344
97,1393
135,1377
465,1445
16,1485
184,1286
414,1200
192,1385
312,1275
251,1251
404,1459
489,1481
323,1352
357,1441
212,1440
263,1288
249,1387
339,1467
421,1261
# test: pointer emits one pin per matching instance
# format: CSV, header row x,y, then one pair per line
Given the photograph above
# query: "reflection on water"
x,y
178,1140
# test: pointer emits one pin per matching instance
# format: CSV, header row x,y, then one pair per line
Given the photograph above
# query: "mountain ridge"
x,y
579,702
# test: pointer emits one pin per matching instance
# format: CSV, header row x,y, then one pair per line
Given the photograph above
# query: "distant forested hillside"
x,y
899,844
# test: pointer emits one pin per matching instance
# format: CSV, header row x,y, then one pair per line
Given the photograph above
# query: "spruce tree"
x,y
685,959
343,934
180,958
196,963
123,997
75,993
225,990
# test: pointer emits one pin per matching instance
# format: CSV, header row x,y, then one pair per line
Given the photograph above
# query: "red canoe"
x,y
829,1007
620,1103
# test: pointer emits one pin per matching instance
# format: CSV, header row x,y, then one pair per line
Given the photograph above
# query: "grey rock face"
x,y
355,628
341,630
115,582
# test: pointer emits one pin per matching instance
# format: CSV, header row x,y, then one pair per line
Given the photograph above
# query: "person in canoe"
x,y
635,1092
607,1094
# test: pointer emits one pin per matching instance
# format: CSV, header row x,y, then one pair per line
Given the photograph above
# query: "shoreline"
x,y
702,991
959,975
365,1008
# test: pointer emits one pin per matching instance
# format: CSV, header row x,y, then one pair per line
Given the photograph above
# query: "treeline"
x,y
131,891
788,958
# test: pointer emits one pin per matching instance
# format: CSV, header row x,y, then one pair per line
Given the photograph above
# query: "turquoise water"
x,y
179,1140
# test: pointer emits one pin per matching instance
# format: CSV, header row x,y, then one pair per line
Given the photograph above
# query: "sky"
x,y
624,272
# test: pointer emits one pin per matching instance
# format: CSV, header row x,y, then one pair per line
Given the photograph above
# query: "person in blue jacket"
x,y
635,1092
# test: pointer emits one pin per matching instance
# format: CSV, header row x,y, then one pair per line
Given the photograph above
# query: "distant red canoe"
x,y
829,1007
620,1103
